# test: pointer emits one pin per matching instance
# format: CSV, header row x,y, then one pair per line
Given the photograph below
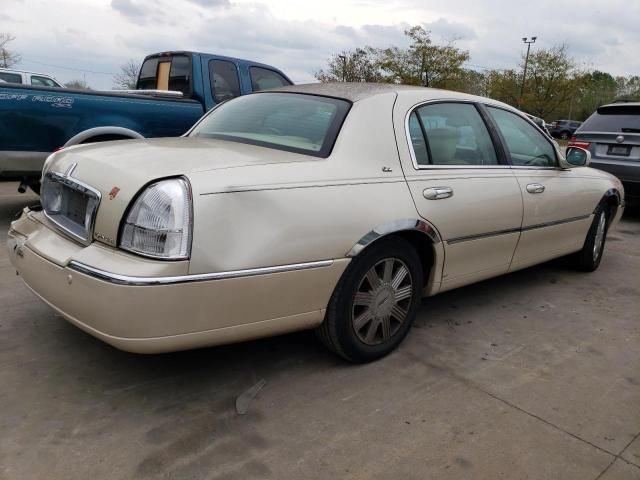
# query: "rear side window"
x,y
262,78
527,145
615,118
225,83
455,135
11,77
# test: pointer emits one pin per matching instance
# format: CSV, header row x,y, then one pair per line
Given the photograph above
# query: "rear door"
x,y
461,185
557,202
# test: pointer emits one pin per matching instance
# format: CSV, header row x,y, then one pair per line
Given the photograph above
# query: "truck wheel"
x,y
588,259
375,302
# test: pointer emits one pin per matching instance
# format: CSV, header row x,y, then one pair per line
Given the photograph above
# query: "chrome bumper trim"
x,y
200,277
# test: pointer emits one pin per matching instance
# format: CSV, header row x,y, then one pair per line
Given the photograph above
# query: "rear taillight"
x,y
573,142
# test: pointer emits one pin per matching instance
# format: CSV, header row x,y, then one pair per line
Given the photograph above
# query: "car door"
x,y
461,185
557,202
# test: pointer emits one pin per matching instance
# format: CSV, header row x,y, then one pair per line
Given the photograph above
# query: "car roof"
x,y
15,70
356,91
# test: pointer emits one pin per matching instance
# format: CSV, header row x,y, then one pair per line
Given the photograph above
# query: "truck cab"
x,y
21,77
208,79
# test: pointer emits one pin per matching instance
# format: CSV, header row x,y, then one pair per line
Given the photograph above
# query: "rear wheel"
x,y
564,135
588,259
375,302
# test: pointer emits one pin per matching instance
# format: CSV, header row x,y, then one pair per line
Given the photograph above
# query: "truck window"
x,y
11,77
43,81
166,73
179,75
262,78
225,83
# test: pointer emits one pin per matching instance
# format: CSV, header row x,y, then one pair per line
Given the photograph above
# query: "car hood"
x,y
120,169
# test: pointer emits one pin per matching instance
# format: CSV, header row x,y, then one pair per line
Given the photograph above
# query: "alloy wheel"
x,y
599,239
382,301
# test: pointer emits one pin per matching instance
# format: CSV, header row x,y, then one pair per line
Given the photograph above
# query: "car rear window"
x,y
166,73
292,122
614,118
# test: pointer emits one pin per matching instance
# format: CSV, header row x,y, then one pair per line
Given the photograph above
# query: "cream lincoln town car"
x,y
328,206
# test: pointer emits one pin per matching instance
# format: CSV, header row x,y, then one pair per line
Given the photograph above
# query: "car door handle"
x,y
535,188
437,193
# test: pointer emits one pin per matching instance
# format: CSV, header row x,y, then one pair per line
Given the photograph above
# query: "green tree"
x,y
422,63
7,57
357,65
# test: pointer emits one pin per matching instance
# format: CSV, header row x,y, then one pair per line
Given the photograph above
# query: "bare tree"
x,y
7,58
128,76
78,85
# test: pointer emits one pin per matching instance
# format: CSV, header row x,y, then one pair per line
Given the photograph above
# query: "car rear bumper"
x,y
150,314
16,164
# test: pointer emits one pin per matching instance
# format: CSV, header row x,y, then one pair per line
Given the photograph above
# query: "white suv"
x,y
9,75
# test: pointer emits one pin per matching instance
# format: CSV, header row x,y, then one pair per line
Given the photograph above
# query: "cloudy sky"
x,y
90,38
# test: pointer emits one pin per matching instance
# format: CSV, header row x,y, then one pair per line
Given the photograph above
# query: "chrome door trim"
x,y
555,222
130,280
467,238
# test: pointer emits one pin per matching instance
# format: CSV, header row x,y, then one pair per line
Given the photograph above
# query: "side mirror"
x,y
578,157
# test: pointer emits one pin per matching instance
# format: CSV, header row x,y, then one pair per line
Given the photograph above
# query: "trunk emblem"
x,y
619,139
113,193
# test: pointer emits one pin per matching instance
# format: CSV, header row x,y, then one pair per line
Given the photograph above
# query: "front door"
x,y
461,184
557,202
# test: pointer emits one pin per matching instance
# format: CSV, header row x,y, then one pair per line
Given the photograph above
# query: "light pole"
x,y
526,62
344,66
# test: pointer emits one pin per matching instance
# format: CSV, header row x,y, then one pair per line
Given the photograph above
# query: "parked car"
x,y
563,129
174,89
327,206
21,77
612,135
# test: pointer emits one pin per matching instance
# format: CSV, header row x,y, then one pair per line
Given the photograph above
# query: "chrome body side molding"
x,y
200,277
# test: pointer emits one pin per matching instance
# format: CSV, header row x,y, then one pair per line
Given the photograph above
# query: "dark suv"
x,y
563,129
612,135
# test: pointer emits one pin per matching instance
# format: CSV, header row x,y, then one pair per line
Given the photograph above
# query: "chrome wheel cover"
x,y
599,240
381,303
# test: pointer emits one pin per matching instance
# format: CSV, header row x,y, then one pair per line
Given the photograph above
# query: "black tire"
x,y
588,259
564,135
339,332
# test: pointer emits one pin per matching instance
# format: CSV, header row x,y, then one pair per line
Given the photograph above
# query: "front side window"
x,y
455,135
225,83
262,78
43,81
526,144
298,123
11,77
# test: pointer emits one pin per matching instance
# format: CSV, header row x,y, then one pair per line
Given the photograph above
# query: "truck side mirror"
x,y
578,157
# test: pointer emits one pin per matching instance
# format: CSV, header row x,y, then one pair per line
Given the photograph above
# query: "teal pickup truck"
x,y
173,91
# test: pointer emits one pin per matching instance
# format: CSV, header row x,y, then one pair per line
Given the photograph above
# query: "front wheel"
x,y
590,256
374,304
